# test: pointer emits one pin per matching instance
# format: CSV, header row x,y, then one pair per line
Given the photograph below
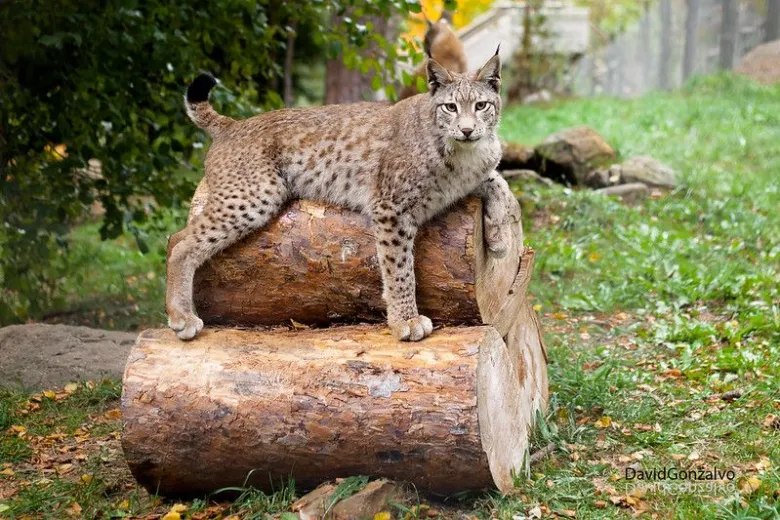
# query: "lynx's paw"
x,y
186,326
414,329
498,238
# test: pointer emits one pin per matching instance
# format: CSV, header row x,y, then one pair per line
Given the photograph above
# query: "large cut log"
x,y
449,414
316,264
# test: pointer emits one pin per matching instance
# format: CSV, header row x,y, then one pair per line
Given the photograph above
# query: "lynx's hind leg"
x,y
237,204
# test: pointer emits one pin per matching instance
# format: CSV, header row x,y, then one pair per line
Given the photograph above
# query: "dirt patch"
x,y
38,356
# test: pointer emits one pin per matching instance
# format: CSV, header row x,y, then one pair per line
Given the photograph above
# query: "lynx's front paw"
x,y
498,238
186,326
414,329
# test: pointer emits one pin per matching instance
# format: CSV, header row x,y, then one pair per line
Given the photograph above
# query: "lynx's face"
x,y
466,108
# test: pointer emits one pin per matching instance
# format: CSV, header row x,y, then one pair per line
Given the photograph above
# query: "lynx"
x,y
400,164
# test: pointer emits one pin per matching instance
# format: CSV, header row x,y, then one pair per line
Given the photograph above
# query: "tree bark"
x,y
728,33
772,24
691,24
665,7
450,414
316,264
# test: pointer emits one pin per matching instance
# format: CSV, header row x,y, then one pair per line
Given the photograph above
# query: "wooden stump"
x,y
449,414
316,264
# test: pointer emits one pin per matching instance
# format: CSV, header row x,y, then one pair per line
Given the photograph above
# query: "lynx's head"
x,y
466,108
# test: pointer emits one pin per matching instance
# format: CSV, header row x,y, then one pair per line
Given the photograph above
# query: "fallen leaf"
x,y
750,485
171,516
49,393
86,479
382,515
8,472
600,504
594,257
4,508
124,504
75,508
537,307
568,513
603,422
113,414
298,326
178,508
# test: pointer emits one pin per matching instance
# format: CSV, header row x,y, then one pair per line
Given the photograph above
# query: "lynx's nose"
x,y
467,131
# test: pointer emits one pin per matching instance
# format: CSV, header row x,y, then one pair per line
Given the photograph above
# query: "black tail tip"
x,y
198,91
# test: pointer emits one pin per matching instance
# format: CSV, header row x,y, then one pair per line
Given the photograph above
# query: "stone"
x,y
39,356
526,175
570,155
647,170
762,64
628,192
516,156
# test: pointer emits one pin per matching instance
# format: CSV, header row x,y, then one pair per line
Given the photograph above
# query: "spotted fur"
x,y
400,164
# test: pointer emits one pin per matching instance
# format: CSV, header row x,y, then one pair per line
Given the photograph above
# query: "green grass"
x,y
651,311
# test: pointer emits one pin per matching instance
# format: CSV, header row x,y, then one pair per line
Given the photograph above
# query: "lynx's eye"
x,y
480,105
451,107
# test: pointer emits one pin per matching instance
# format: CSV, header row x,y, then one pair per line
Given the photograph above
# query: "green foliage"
x,y
105,79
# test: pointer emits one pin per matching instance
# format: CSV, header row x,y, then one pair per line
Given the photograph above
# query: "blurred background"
x,y
95,144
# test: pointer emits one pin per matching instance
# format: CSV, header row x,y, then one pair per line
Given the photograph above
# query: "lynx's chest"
x,y
470,163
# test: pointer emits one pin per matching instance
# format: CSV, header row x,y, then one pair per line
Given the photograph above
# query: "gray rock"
x,y
526,175
628,192
39,356
646,170
571,154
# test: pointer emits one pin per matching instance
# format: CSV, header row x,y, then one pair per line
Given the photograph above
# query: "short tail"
x,y
200,110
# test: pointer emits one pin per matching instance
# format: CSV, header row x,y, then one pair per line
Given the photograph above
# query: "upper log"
x,y
316,264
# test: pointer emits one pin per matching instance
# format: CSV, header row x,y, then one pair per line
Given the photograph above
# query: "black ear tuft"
x,y
490,72
198,91
437,75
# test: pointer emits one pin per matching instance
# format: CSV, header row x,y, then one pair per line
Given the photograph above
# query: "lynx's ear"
x,y
490,72
437,75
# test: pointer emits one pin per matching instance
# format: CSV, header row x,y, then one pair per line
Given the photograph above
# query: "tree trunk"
x,y
326,257
729,33
665,7
645,50
450,414
691,23
350,86
289,61
772,25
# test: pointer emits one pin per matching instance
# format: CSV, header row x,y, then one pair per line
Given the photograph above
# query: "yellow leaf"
x,y
86,479
537,307
71,387
49,393
113,414
382,515
8,472
4,508
594,257
124,504
750,485
604,422
178,508
171,516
